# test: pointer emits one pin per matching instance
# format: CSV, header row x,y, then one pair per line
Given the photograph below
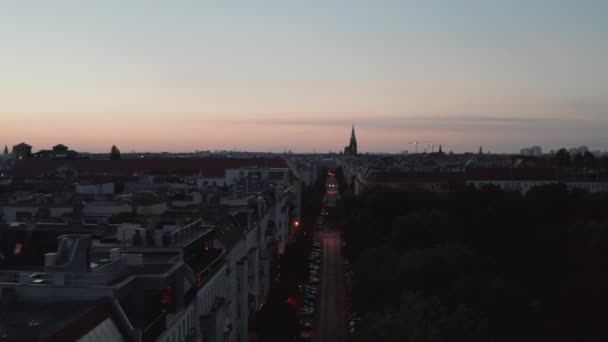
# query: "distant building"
x,y
22,151
509,179
351,149
3,158
524,179
402,179
534,151
578,150
58,152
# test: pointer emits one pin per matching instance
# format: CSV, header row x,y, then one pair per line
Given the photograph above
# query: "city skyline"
x,y
219,76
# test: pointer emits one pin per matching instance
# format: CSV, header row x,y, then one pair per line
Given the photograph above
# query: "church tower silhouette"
x,y
351,149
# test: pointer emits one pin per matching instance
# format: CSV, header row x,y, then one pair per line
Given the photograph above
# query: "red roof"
x,y
208,167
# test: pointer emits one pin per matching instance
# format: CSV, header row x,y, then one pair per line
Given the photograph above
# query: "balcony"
x,y
201,262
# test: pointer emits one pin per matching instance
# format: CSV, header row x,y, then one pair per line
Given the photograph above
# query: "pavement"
x,y
332,313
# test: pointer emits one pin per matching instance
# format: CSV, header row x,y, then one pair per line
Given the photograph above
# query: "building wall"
x,y
197,199
234,289
96,189
105,210
10,212
525,186
189,319
153,209
592,187
204,182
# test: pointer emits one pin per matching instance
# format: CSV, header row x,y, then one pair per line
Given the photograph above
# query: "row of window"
x,y
526,186
186,326
188,323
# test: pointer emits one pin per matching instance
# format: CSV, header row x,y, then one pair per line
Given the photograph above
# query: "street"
x,y
332,317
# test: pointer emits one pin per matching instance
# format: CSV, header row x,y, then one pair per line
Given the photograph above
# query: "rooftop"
x,y
208,167
44,320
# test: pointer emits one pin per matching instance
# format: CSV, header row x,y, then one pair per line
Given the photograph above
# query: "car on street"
x,y
305,312
304,336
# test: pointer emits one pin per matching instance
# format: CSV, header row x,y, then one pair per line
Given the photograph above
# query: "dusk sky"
x,y
278,75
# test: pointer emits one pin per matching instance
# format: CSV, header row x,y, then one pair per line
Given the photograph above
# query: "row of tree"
x,y
479,265
586,160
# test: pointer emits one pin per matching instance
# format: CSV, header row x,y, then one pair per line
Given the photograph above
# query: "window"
x,y
276,175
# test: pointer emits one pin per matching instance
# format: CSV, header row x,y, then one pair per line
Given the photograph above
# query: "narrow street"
x,y
332,317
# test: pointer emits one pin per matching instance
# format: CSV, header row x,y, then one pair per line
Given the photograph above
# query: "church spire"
x,y
352,147
5,149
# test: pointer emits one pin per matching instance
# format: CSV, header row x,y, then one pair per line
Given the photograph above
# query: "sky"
x,y
270,75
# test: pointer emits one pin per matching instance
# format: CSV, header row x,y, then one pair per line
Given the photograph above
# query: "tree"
x,y
479,264
562,158
423,229
421,318
578,161
341,179
114,153
589,160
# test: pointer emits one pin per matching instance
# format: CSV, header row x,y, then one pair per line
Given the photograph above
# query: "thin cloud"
x,y
405,122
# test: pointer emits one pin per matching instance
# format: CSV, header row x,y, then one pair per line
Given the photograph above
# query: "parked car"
x,y
305,312
305,324
304,336
305,327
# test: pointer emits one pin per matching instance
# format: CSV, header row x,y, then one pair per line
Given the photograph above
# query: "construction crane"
x,y
415,143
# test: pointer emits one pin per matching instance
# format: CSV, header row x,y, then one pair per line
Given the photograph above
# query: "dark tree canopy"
x,y
115,153
479,265
562,158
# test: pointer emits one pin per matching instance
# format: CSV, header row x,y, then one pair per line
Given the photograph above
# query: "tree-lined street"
x,y
331,307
